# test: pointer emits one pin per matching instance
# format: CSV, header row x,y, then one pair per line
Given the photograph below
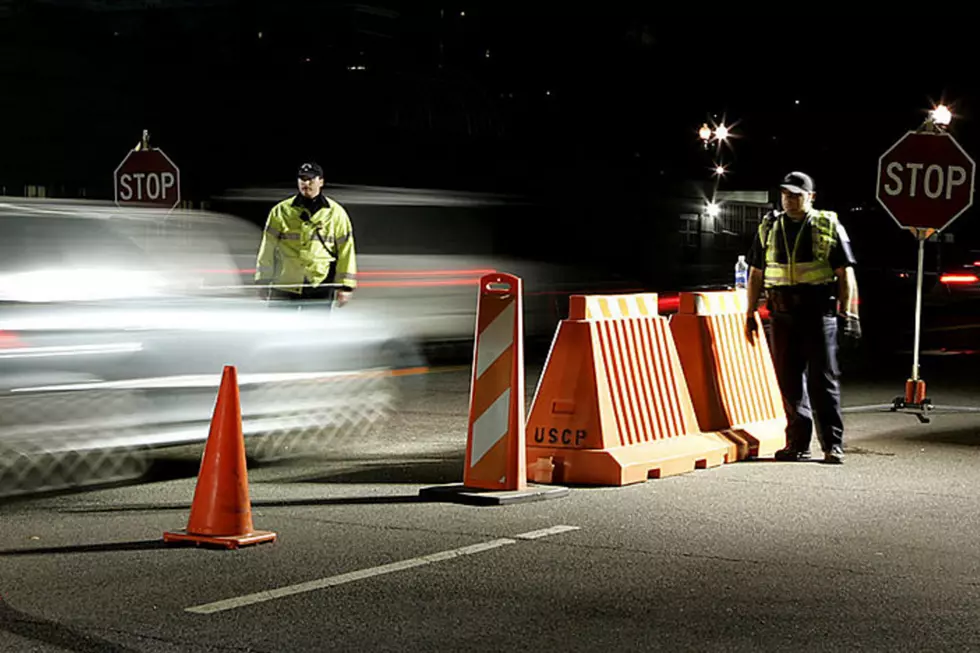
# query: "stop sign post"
x,y
925,182
147,178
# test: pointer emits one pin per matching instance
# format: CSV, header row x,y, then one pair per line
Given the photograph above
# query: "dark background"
x,y
594,108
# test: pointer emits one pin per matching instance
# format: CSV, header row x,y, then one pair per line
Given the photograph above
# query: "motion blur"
x,y
114,329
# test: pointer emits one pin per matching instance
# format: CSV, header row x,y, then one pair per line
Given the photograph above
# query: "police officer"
x,y
803,259
307,249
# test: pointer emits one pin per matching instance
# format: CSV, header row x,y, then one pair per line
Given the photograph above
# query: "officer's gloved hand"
x,y
850,326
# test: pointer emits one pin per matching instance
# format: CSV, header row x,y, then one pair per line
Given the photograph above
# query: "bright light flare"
x,y
959,279
720,170
941,115
704,133
721,132
712,209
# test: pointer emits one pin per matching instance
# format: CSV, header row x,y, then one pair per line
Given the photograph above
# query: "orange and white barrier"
x,y
732,381
612,406
495,456
495,470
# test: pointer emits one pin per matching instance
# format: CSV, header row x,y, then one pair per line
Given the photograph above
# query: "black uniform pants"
x,y
804,346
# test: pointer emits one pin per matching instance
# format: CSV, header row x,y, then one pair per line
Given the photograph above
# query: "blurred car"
x,y
115,326
951,307
421,253
960,278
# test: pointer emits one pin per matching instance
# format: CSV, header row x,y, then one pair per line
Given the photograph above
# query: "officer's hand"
x,y
343,297
850,326
751,327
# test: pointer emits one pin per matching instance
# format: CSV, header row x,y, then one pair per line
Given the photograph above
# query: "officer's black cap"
x,y
309,170
797,183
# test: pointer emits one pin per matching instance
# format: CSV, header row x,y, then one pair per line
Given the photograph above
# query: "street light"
x,y
941,115
720,170
721,132
712,209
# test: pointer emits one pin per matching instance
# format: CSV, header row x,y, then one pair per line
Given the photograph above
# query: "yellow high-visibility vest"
x,y
823,225
297,251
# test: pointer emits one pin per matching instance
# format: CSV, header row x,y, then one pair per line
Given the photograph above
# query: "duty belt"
x,y
794,299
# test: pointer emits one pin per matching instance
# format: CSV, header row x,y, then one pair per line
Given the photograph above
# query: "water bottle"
x,y
741,272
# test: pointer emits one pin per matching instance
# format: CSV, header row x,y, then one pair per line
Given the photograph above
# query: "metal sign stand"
x,y
915,401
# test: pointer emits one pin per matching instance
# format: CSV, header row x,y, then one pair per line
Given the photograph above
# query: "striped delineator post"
x,y
495,456
495,469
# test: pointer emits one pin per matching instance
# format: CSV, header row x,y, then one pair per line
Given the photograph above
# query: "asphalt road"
x,y
880,554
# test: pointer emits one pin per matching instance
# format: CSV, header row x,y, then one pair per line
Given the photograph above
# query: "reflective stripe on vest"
x,y
823,226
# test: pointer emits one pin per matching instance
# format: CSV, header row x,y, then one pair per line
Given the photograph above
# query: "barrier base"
x,y
222,541
627,465
459,493
758,439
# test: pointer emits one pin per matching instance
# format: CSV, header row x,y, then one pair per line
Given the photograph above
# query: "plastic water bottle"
x,y
741,272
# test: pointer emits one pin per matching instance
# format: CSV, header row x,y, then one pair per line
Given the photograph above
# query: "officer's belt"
x,y
801,298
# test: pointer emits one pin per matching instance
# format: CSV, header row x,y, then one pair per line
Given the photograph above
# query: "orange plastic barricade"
x,y
221,513
733,382
612,406
495,470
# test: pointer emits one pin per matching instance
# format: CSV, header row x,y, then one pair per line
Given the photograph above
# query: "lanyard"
x,y
792,255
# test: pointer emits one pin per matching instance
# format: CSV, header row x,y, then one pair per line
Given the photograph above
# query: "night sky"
x,y
485,96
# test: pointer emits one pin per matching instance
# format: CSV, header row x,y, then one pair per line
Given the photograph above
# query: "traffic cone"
x,y
221,514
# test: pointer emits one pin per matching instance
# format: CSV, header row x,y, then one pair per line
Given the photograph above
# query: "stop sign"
x,y
147,178
925,180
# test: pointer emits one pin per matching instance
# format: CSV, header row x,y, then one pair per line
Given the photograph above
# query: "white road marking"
x,y
545,532
361,574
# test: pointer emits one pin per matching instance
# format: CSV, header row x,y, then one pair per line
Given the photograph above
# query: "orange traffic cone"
x,y
221,513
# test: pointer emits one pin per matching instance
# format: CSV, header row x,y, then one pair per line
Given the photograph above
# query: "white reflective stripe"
x,y
700,306
720,303
490,427
495,339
